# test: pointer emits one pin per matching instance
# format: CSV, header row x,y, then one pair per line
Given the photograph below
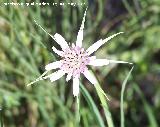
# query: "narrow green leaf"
x,y
92,106
103,98
122,94
147,107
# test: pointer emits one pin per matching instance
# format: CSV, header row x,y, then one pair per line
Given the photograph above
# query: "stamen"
x,y
74,61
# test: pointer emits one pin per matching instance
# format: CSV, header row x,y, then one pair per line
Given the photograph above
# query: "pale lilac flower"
x,y
75,59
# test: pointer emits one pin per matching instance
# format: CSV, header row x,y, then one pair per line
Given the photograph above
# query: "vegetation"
x,y
25,50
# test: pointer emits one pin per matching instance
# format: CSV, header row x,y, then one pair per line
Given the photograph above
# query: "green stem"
x,y
77,111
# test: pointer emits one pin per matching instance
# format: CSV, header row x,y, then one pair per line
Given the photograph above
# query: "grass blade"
x,y
147,108
1,118
92,106
122,95
103,97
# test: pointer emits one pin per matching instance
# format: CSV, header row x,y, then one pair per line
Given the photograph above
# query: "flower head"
x,y
75,59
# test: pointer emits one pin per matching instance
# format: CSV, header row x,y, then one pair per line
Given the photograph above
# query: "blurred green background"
x,y
25,50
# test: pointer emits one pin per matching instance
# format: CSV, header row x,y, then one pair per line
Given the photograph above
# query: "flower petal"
x,y
58,52
75,86
90,77
73,45
61,41
55,76
69,76
53,65
97,44
99,62
92,58
115,61
80,32
57,37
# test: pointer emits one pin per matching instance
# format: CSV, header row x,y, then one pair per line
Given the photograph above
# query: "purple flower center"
x,y
74,61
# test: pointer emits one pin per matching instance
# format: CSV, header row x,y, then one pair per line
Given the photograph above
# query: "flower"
x,y
75,59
